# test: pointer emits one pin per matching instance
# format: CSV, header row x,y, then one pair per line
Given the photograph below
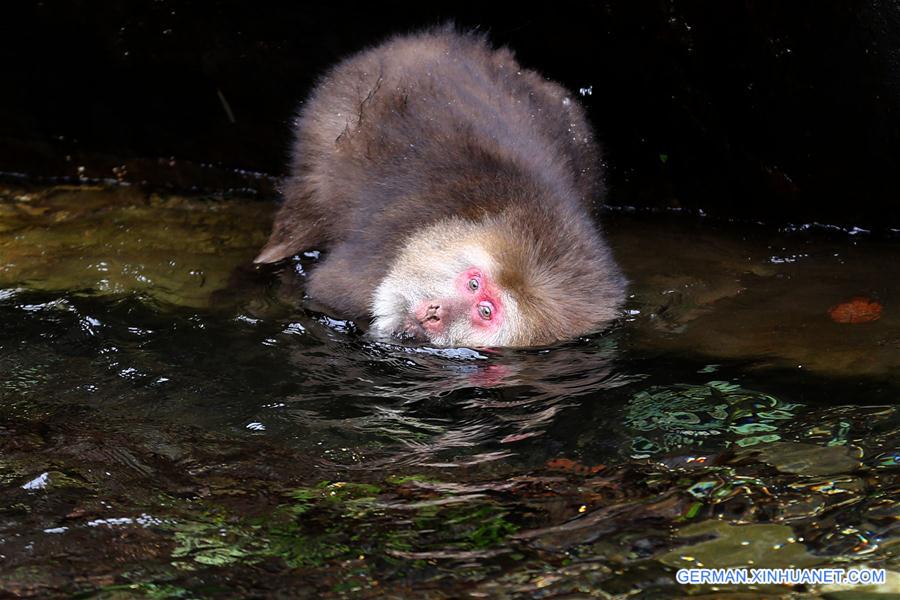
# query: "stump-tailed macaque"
x,y
453,192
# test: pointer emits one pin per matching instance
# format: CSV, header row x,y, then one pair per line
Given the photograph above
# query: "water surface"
x,y
175,423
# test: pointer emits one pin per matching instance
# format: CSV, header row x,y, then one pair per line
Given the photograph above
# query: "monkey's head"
x,y
507,280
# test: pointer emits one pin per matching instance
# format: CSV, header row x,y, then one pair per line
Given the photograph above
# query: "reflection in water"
x,y
425,407
169,417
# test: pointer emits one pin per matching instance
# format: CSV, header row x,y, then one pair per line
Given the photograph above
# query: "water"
x,y
176,424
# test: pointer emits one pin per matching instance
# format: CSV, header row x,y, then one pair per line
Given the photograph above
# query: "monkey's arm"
x,y
344,281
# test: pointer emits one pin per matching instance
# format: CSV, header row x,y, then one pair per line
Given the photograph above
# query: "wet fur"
x,y
429,128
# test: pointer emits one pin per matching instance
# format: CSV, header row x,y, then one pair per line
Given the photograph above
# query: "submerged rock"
x,y
120,241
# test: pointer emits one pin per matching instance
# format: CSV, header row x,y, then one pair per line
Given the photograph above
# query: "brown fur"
x,y
437,125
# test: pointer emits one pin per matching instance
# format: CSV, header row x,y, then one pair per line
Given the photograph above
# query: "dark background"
x,y
785,111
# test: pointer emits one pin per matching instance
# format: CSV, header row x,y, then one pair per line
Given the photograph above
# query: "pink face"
x,y
475,299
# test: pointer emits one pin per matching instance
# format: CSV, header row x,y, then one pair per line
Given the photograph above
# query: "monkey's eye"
x,y
473,284
485,311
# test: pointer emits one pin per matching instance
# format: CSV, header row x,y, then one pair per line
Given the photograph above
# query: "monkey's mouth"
x,y
418,327
413,330
403,324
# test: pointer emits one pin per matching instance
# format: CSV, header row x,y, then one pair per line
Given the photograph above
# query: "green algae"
x,y
669,417
339,521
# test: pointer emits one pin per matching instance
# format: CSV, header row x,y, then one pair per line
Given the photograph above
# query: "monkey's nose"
x,y
431,316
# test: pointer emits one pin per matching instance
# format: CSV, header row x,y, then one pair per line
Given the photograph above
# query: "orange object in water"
x,y
856,310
